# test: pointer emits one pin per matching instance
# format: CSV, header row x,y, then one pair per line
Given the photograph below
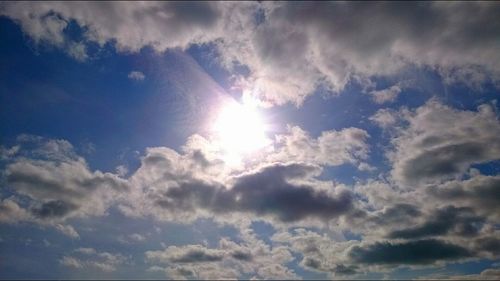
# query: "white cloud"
x,y
229,260
331,148
67,230
290,48
52,184
90,259
386,95
71,262
136,75
385,118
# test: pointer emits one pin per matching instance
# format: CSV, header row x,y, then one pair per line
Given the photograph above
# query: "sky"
x,y
240,140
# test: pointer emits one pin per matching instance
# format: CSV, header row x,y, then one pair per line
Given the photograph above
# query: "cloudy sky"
x,y
249,140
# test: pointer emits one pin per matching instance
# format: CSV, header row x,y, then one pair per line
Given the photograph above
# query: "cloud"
x,y
487,274
11,212
229,260
136,75
479,192
161,25
331,148
90,259
413,252
187,254
386,95
462,221
320,252
87,251
67,230
197,183
331,43
442,221
278,196
441,143
52,184
384,118
71,262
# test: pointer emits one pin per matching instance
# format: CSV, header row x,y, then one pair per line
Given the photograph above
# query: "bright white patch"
x,y
239,130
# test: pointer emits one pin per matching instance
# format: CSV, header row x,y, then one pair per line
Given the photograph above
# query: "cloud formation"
x,y
331,43
55,184
441,143
422,252
439,217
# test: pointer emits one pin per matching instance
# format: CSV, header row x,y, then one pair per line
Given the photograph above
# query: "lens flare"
x,y
240,130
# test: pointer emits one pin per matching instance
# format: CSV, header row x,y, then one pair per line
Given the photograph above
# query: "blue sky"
x,y
209,140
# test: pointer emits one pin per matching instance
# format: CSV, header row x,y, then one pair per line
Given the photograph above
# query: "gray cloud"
x,y
188,254
58,182
480,192
462,221
228,260
267,191
330,43
55,208
413,252
442,143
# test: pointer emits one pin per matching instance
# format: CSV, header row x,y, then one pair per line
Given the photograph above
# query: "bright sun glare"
x,y
240,130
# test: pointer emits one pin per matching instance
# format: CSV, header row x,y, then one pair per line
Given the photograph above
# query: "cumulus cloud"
x,y
333,44
463,221
441,143
278,195
91,259
331,148
479,192
55,184
229,260
422,252
442,221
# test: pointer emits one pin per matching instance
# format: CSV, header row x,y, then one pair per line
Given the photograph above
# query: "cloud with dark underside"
x,y
56,184
413,252
267,191
334,44
479,192
461,221
440,143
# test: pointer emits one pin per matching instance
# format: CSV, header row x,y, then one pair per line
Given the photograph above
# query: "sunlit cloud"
x,y
249,140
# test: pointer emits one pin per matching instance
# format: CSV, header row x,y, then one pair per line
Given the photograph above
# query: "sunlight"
x,y
240,130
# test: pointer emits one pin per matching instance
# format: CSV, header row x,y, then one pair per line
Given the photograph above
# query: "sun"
x,y
240,130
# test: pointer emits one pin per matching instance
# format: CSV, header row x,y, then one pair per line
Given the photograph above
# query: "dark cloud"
x,y
462,221
412,252
445,160
242,256
341,269
56,208
489,244
196,255
268,191
399,212
480,192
